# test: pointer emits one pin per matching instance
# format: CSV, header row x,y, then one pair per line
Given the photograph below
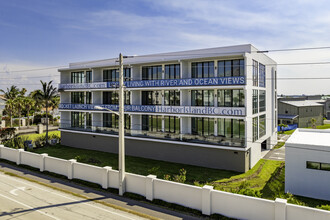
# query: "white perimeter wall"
x,y
204,199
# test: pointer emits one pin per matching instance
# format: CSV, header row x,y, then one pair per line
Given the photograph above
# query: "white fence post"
x,y
18,158
280,209
206,199
105,178
1,146
150,187
70,168
42,162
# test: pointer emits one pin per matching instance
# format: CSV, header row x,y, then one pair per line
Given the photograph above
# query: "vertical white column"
x,y
42,162
280,209
70,168
19,156
105,178
150,187
206,200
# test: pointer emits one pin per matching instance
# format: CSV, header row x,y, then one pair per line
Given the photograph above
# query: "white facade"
x,y
307,163
216,123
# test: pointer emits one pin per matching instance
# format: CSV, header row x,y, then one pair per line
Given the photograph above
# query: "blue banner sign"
x,y
194,110
98,85
215,81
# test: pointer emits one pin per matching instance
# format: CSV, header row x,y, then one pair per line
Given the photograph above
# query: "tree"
x,y
11,92
313,121
18,103
45,95
28,103
10,110
54,104
282,126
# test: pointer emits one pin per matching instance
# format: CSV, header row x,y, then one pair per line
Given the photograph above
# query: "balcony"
x,y
191,82
188,138
188,110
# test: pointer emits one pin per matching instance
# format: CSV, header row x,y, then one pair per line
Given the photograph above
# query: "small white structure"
x,y
307,163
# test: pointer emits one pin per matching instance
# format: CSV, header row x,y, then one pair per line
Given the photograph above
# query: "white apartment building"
x,y
211,107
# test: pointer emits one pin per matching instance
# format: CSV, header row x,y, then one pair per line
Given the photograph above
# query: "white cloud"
x,y
14,74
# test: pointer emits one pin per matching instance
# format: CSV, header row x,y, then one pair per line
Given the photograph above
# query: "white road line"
x,y
30,207
17,188
68,197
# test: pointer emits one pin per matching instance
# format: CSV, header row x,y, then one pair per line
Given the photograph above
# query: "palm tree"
x,y
11,92
45,95
54,104
10,109
18,102
28,103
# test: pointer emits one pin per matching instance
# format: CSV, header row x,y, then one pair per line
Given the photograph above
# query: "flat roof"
x,y
313,139
168,57
303,103
282,116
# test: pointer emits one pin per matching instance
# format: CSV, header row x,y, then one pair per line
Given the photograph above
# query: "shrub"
x,y
16,142
181,178
7,133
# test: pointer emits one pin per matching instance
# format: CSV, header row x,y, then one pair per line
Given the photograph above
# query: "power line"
x,y
178,55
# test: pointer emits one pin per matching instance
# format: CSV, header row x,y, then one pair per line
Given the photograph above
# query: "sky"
x,y
37,34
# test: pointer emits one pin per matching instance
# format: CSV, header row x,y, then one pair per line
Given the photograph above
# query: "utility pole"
x,y
122,181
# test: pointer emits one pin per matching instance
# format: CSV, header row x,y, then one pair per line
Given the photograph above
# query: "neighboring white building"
x,y
307,163
211,107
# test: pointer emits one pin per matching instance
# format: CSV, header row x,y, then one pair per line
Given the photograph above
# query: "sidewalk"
x,y
107,197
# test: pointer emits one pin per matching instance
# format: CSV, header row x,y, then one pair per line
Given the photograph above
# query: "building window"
x,y
112,75
111,120
262,75
230,68
172,124
151,72
202,126
77,98
317,166
172,71
77,119
231,128
254,101
88,120
152,123
89,76
255,73
262,125
255,129
172,97
275,79
112,98
202,69
231,98
151,98
78,77
262,100
202,98
88,98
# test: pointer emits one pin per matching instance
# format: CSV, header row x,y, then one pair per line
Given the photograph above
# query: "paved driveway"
x,y
277,154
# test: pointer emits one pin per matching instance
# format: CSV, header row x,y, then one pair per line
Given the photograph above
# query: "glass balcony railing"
x,y
195,110
190,138
213,81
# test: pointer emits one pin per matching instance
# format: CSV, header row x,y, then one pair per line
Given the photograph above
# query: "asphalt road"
x,y
21,199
